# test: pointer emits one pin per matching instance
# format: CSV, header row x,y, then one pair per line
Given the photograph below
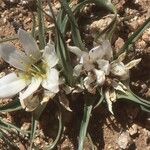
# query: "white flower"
x,y
118,68
95,61
35,69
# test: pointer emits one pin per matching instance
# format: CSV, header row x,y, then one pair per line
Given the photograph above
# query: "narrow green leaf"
x,y
41,25
60,129
132,97
135,36
74,26
33,25
34,124
106,4
100,99
62,51
88,106
8,141
9,39
11,106
9,126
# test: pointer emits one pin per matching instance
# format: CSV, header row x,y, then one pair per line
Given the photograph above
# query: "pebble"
x,y
124,140
26,126
133,130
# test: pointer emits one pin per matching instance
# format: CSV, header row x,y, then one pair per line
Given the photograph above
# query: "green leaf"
x,y
132,97
62,51
100,99
9,126
11,106
106,4
9,39
33,25
88,106
41,25
74,26
136,35
8,141
34,124
60,129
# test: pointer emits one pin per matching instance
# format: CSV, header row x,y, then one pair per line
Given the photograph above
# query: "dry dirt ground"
x,y
129,129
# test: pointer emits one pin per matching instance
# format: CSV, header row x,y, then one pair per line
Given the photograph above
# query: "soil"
x,y
130,128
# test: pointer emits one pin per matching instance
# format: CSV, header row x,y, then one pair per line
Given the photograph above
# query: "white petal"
x,y
106,46
8,78
102,51
51,83
109,102
120,70
87,62
10,89
119,86
96,53
104,65
75,50
77,70
15,58
100,75
30,103
50,56
121,57
47,95
88,83
132,63
29,44
34,85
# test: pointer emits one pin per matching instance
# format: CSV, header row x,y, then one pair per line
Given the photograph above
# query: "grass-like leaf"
x,y
136,35
11,106
88,106
41,24
74,26
8,141
34,124
62,51
60,129
132,97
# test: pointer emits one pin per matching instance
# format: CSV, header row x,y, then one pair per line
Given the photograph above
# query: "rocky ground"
x,y
130,129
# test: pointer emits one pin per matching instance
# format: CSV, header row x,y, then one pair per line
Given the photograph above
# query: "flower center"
x,y
37,69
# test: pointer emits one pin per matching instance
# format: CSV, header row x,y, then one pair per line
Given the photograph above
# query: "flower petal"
x,y
50,56
101,51
119,86
88,83
108,100
29,44
8,78
75,50
132,63
15,58
47,95
30,103
77,70
120,70
12,88
51,83
34,85
121,57
100,76
104,65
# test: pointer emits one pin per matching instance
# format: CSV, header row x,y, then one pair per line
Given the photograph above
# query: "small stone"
x,y
25,126
124,140
146,36
141,44
119,44
133,130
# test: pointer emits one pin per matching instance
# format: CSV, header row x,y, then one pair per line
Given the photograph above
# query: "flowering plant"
x,y
47,71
